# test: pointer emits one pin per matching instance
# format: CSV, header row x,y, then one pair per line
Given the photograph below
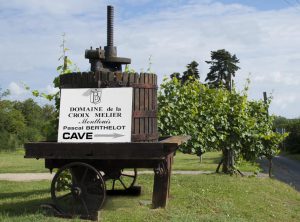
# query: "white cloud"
x,y
51,90
266,42
283,101
15,89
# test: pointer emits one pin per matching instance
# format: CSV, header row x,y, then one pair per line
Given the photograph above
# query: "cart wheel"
x,y
120,179
78,189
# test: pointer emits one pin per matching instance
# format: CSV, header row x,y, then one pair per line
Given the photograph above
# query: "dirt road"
x,y
48,176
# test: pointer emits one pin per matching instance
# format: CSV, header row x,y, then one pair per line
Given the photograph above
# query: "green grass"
x,y
193,198
209,162
14,162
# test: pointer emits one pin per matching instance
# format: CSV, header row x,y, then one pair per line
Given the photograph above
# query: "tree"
x,y
12,126
192,73
222,68
217,119
4,93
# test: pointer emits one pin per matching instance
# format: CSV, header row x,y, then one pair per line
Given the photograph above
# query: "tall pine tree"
x,y
223,66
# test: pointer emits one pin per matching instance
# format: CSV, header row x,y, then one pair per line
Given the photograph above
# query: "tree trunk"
x,y
200,158
219,165
228,162
270,167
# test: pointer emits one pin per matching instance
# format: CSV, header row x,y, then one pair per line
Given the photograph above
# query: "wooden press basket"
x,y
144,106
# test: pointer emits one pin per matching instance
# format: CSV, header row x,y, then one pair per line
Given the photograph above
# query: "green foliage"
x,y
222,68
128,69
216,119
22,122
292,142
4,93
292,127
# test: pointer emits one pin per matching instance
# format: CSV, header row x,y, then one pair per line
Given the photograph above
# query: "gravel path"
x,y
48,176
285,170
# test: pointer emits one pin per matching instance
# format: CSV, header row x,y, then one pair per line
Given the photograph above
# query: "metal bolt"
x,y
110,25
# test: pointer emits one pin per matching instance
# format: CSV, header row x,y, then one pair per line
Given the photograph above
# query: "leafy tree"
x,y
222,69
4,93
176,75
292,142
216,119
223,66
12,126
191,72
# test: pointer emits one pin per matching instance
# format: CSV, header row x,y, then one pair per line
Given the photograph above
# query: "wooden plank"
x,y
136,104
142,103
155,103
150,103
146,119
125,78
104,76
83,79
176,139
98,79
55,150
90,80
111,76
105,164
130,78
161,184
79,79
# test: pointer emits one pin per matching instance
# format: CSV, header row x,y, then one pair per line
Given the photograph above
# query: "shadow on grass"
x,y
22,204
23,194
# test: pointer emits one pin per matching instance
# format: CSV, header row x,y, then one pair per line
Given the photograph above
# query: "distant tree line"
x,y
25,121
292,126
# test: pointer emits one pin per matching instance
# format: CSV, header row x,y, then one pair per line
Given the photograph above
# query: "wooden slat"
x,y
84,79
94,150
146,119
125,78
150,104
176,139
161,185
142,103
111,76
130,79
155,102
136,104
104,76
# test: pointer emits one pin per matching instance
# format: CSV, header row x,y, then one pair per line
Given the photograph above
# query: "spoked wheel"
x,y
78,189
120,179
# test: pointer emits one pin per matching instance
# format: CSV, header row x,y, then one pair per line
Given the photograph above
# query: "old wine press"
x,y
107,129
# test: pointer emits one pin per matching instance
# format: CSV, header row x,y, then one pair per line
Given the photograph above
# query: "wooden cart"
x,y
88,171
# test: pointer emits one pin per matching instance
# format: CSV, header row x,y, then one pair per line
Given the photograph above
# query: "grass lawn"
x,y
14,162
193,198
209,162
293,156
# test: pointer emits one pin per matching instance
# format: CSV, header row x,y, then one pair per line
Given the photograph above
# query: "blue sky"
x,y
264,34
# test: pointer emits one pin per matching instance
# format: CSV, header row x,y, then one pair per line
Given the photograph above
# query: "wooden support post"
x,y
162,175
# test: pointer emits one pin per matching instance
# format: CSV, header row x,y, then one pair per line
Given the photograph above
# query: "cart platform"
x,y
111,157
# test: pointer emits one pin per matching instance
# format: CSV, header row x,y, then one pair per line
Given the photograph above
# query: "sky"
x,y
263,34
